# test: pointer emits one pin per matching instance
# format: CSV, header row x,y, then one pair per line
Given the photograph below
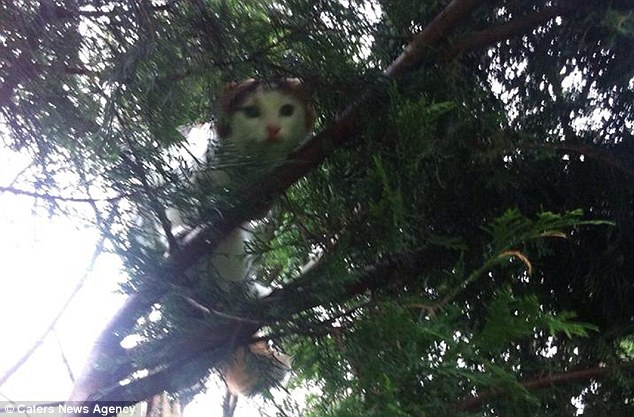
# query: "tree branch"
x,y
437,30
64,358
229,404
52,197
581,375
512,28
198,348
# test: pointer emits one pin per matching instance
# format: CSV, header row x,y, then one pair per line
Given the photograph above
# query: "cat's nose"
x,y
272,131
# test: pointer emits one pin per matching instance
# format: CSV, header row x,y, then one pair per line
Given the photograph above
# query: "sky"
x,y
43,259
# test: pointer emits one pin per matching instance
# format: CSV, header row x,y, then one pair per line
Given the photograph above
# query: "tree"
x,y
467,200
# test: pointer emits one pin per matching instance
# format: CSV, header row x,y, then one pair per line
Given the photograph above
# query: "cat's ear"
x,y
229,97
303,91
297,87
231,93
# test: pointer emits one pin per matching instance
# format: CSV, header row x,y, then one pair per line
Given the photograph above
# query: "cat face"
x,y
259,117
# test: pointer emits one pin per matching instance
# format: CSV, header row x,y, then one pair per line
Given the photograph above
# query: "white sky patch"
x,y
43,259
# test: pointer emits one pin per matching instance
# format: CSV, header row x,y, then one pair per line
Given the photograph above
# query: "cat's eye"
x,y
287,110
251,111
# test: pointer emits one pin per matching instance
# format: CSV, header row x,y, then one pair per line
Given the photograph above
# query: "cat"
x,y
259,123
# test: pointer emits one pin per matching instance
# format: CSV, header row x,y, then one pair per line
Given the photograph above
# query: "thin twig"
x,y
66,199
229,404
157,207
236,318
19,174
71,375
486,267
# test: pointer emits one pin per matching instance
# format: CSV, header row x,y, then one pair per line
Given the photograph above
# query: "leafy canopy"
x,y
472,235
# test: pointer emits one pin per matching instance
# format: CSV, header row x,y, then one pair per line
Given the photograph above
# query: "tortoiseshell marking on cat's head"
x,y
258,113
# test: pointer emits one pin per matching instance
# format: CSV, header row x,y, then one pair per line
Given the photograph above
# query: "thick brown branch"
x,y
438,29
544,382
199,346
198,242
511,29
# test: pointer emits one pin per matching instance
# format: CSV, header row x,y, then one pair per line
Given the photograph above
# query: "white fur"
x,y
229,258
250,138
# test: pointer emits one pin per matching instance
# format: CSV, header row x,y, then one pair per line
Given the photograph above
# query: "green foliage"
x,y
498,176
510,319
400,354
